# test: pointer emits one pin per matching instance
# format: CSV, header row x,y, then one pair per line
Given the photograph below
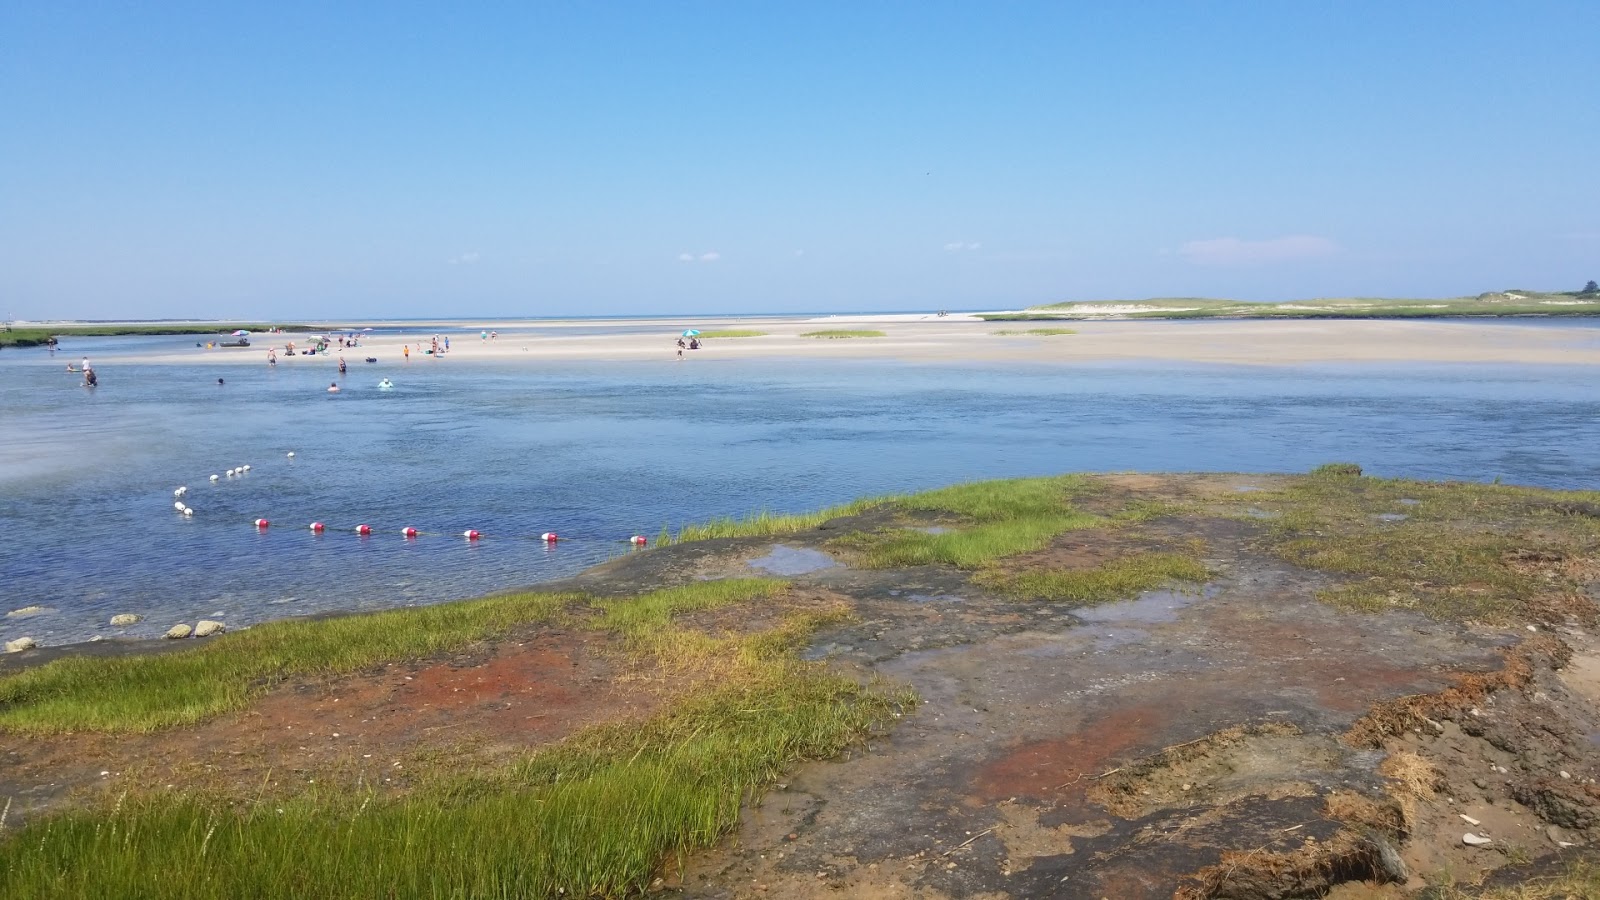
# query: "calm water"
x,y
600,452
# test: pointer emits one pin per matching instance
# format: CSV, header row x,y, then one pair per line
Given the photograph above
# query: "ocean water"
x,y
598,452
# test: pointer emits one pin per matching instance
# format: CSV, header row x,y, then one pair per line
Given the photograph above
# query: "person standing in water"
x,y
341,365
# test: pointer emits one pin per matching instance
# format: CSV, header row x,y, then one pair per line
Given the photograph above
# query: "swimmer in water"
x,y
333,388
385,385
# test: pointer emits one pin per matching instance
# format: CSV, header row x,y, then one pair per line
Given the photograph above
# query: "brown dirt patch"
x,y
468,710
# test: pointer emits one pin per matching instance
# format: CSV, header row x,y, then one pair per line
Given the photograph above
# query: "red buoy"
x,y
409,532
262,523
317,527
471,535
549,537
638,540
363,529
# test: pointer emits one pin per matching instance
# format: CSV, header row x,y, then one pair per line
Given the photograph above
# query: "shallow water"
x,y
601,451
785,560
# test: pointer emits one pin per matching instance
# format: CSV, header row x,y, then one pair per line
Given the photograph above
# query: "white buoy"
x,y
246,468
291,454
177,505
213,478
187,511
180,492
229,473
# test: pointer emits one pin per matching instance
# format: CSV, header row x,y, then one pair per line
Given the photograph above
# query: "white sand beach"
x,y
957,338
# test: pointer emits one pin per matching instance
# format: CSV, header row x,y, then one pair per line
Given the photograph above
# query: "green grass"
x,y
597,815
1114,580
32,336
990,520
732,333
1453,556
1038,332
763,523
833,333
144,693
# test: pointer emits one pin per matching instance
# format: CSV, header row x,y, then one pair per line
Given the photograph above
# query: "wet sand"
x,y
957,339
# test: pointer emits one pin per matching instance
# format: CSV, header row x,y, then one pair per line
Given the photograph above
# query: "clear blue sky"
x,y
306,159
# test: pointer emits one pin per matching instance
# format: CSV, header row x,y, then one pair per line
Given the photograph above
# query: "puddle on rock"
x,y
1254,513
1391,517
784,560
1407,501
934,529
1149,607
935,598
1246,488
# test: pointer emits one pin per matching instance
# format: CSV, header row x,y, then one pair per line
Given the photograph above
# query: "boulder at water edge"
x,y
178,631
206,628
124,619
21,644
25,612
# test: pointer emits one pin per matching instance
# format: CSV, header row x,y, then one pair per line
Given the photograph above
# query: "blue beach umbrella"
x,y
690,333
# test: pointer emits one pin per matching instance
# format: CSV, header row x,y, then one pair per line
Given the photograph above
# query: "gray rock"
x,y
206,628
124,619
21,644
26,611
178,631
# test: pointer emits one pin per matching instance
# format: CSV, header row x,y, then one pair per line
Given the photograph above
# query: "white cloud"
x,y
685,257
710,256
1231,251
466,259
960,246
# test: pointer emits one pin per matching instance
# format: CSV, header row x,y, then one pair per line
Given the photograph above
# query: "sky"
x,y
399,160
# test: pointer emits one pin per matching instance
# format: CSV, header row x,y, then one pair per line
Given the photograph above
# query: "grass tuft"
x,y
1115,580
834,333
145,693
764,523
1037,332
731,333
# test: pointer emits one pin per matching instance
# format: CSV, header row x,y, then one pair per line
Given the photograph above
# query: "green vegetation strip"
x,y
992,520
32,337
842,333
144,693
1037,332
1115,580
731,333
595,816
1458,551
762,524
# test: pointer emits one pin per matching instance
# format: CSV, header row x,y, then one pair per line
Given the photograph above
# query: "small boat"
x,y
241,342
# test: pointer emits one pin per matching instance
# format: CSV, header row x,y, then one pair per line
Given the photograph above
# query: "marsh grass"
x,y
1579,881
1037,332
731,333
763,523
594,816
30,336
1454,553
993,520
145,693
1114,580
832,333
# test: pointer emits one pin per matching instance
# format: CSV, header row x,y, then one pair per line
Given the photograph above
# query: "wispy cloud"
x,y
685,257
709,256
466,259
961,246
1230,251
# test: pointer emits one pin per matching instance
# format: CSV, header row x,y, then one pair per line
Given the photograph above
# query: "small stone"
x,y
1480,784
178,631
21,644
121,620
25,612
207,627
1533,628
1475,840
1470,820
1565,774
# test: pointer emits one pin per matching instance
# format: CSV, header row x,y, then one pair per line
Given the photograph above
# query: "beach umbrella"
x,y
690,333
241,333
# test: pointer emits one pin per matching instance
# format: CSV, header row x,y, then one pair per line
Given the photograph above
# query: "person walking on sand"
x,y
407,350
272,356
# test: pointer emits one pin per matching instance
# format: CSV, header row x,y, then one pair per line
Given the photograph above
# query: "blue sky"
x,y
402,160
